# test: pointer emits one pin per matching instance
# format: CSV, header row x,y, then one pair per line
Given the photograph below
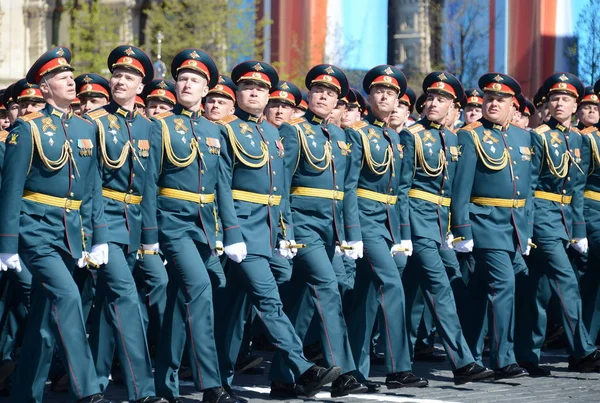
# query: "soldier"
x,y
140,105
430,155
491,198
315,165
472,109
220,100
522,113
259,190
283,99
76,106
406,104
374,171
160,97
335,116
93,91
12,108
302,107
559,170
126,167
355,109
46,195
541,113
4,121
587,109
28,96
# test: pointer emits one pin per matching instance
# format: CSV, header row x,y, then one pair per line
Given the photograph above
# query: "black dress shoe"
x,y
313,352
404,379
509,372
280,390
175,400
428,354
97,398
372,387
313,380
534,370
589,363
345,385
152,399
472,372
233,394
217,395
250,361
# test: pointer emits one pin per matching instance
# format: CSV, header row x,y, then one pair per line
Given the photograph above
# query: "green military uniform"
x,y
558,180
126,168
491,199
47,195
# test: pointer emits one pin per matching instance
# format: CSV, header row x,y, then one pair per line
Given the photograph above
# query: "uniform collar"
x,y
248,117
374,121
52,111
491,125
182,110
116,109
312,118
553,124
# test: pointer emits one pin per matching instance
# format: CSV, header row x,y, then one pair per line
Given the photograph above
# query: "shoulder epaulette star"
x,y
227,119
416,128
98,113
295,121
471,126
589,130
31,116
162,115
541,129
3,136
359,125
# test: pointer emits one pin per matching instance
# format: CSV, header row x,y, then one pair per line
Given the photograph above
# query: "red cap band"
x,y
564,87
127,61
160,93
93,89
283,96
51,65
256,76
326,79
387,81
139,101
196,66
30,93
441,86
224,90
501,88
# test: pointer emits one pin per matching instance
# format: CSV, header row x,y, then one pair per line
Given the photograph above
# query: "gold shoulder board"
x,y
295,121
226,120
31,116
163,115
541,129
98,113
416,128
471,126
589,130
3,136
359,125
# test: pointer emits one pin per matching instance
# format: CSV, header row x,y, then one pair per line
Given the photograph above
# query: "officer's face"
x,y
217,107
278,112
125,84
399,116
156,106
335,116
252,97
562,106
59,86
383,100
519,120
190,87
497,107
452,115
351,115
472,113
588,114
322,100
88,104
4,121
12,112
27,107
437,106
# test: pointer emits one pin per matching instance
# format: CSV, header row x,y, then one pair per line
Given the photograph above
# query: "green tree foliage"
x,y
94,31
226,29
587,45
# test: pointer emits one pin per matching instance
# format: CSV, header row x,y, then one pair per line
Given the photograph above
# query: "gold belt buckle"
x,y
564,199
68,203
390,199
515,203
127,198
440,200
335,195
271,200
202,200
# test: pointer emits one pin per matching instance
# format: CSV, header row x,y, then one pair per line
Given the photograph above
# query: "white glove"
x,y
338,250
528,248
236,252
464,246
448,244
82,261
155,247
396,248
218,251
580,245
99,254
407,246
10,261
285,249
357,250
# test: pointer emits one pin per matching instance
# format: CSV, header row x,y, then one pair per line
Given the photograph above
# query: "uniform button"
x,y
66,125
518,193
505,135
333,156
202,188
564,191
516,177
202,154
268,142
202,171
133,175
129,123
337,187
72,194
274,172
443,134
130,190
72,176
274,188
568,178
445,177
515,162
195,123
393,175
272,157
442,192
510,148
71,140
133,141
335,171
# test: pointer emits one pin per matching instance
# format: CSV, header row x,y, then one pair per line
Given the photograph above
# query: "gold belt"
x,y
187,196
123,197
378,197
590,194
62,202
270,200
315,192
494,202
552,197
430,197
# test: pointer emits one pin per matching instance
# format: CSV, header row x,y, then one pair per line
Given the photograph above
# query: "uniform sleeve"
x,y
148,207
537,153
353,168
462,186
579,230
407,141
19,149
226,209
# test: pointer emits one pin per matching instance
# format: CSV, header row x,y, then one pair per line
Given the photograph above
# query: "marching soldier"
x,y
160,97
93,91
472,109
489,193
126,167
559,170
254,161
406,103
355,108
430,155
283,99
587,109
28,96
46,196
315,165
220,100
374,171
